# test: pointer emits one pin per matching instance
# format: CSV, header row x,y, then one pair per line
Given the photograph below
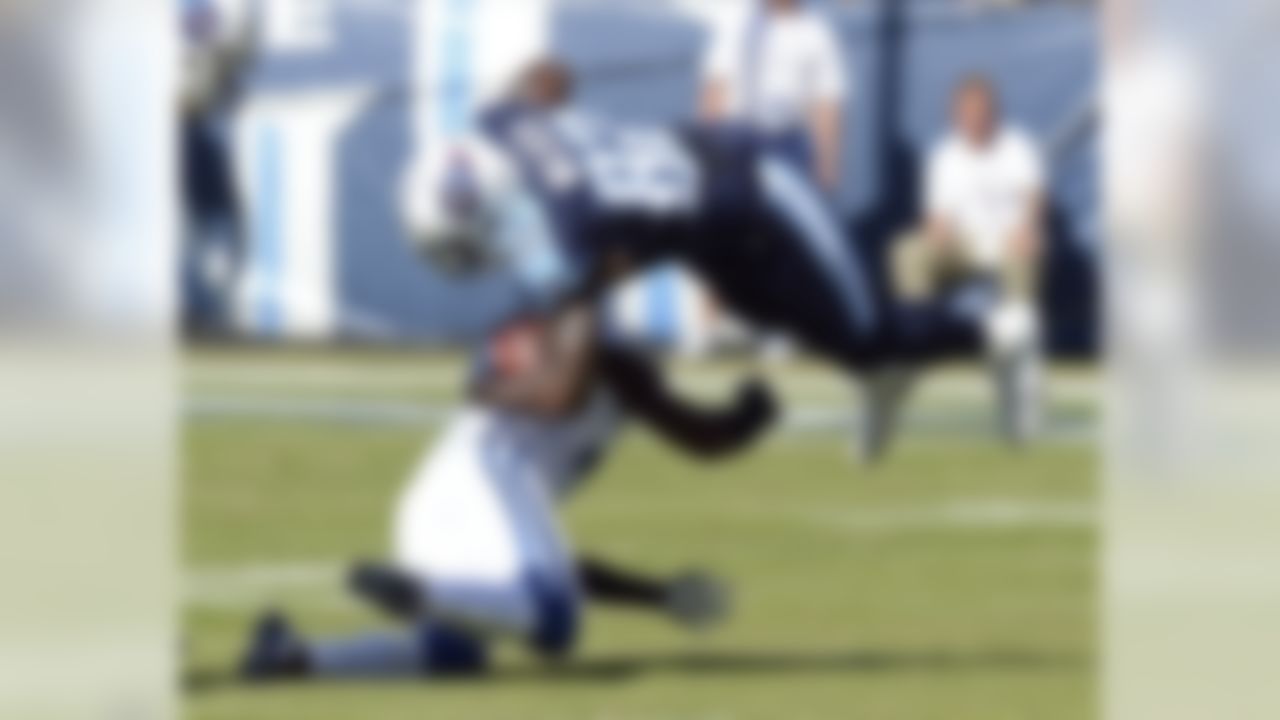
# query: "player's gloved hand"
x,y
756,406
697,600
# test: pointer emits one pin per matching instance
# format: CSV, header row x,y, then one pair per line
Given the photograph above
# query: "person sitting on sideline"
x,y
984,207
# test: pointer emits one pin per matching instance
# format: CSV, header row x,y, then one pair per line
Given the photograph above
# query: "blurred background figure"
x,y
985,190
218,40
779,68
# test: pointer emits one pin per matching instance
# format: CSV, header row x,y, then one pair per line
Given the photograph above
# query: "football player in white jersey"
x,y
478,550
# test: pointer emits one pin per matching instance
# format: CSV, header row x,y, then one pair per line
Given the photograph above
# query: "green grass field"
x,y
955,582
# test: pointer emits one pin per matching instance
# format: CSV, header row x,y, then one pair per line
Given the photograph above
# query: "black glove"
x,y
698,601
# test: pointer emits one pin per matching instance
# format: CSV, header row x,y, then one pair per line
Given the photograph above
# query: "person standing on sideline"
x,y
779,69
219,44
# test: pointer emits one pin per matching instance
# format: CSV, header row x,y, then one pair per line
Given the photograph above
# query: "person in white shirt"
x,y
985,190
779,69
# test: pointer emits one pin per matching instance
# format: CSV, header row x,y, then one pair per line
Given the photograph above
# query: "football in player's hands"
x,y
516,348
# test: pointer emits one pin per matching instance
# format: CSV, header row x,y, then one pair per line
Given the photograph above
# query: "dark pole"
x,y
895,165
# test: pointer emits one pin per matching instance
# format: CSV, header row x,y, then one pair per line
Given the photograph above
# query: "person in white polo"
x,y
778,67
985,191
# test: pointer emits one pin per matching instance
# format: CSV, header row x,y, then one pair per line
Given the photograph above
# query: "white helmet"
x,y
453,206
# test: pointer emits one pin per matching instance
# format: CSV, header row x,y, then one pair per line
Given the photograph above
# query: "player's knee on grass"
x,y
558,614
450,652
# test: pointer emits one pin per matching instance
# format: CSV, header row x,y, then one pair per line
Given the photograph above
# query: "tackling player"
x,y
478,549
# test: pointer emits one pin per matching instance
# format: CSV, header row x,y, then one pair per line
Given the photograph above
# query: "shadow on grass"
x,y
597,670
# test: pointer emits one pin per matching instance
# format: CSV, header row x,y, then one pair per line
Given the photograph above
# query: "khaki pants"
x,y
921,268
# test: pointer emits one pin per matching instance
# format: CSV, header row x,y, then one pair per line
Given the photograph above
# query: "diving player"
x,y
478,550
573,203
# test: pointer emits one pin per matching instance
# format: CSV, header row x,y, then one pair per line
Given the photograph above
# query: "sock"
x,y
390,653
429,649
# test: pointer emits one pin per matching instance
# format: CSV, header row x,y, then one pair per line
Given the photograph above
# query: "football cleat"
x,y
275,651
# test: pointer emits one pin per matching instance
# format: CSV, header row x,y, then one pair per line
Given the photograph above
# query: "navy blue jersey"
x,y
717,200
649,191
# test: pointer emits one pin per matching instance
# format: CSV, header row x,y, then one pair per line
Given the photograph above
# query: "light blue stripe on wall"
x,y
455,59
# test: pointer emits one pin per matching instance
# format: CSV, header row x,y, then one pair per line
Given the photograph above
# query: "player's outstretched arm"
x,y
694,599
702,431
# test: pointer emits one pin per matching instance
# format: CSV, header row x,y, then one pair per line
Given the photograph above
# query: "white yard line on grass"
x,y
319,583
262,584
990,514
951,383
931,421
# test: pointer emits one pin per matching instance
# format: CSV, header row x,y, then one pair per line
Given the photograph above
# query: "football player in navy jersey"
x,y
572,202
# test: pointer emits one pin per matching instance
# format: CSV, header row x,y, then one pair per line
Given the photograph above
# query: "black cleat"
x,y
275,651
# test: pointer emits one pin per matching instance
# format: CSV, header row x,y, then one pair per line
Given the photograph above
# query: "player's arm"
x,y
697,429
557,369
693,599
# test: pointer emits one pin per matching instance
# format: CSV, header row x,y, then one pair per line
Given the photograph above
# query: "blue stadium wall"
x,y
641,61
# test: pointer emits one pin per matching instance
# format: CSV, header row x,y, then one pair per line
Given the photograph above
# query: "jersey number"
x,y
637,169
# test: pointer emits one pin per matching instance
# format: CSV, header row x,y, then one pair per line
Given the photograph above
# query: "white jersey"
x,y
561,453
482,503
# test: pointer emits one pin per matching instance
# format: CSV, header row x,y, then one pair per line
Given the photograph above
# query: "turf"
x,y
954,582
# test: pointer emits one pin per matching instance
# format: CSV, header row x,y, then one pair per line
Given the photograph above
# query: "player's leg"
x,y
819,288
478,555
833,304
477,535
917,267
789,268
278,651
920,267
